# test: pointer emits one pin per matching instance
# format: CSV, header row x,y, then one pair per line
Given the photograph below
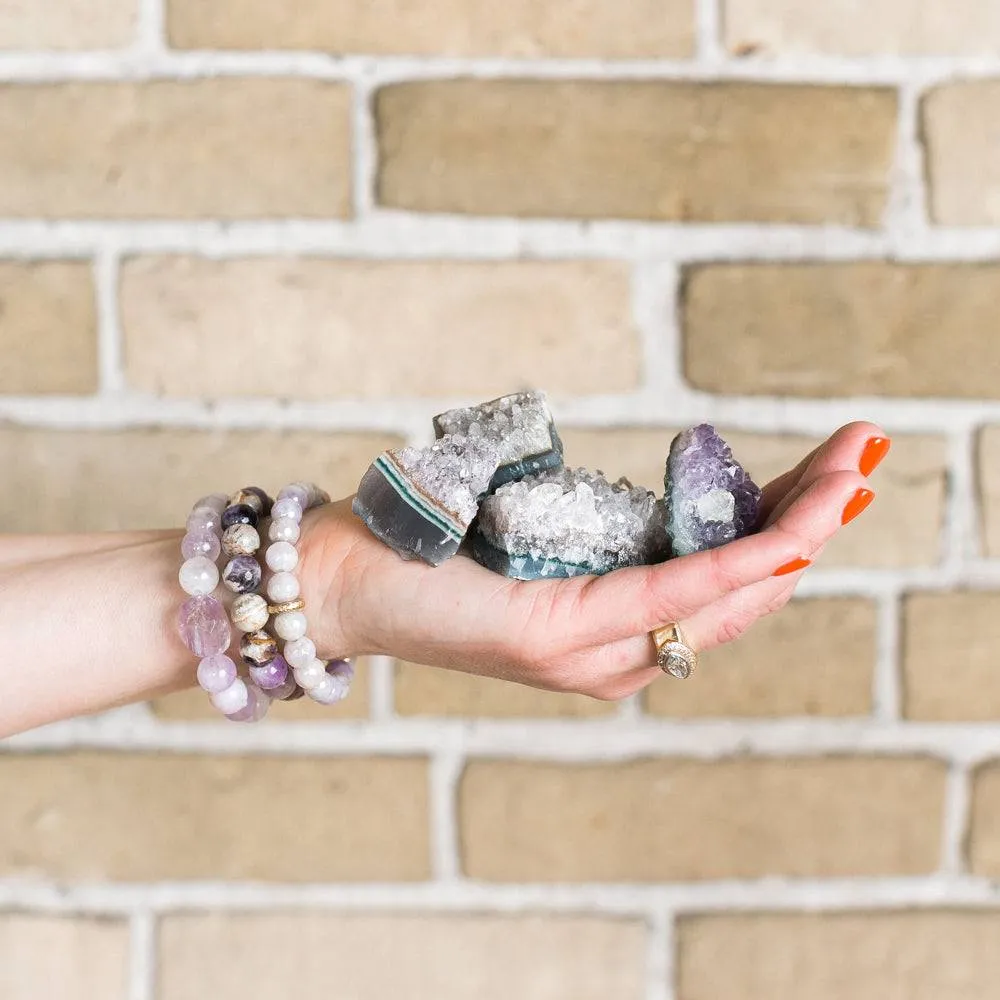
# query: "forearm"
x,y
18,550
89,628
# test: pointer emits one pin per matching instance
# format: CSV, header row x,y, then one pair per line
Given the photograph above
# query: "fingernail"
x,y
875,450
793,567
856,505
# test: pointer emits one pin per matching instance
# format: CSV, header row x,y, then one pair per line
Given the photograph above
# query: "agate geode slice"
x,y
710,498
421,501
566,523
522,427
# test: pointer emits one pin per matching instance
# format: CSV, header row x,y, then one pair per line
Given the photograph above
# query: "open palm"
x,y
588,634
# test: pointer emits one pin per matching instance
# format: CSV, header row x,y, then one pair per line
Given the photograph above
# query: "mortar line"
x,y
887,693
905,215
630,709
381,688
612,899
142,956
960,504
957,819
445,774
109,332
655,306
977,537
446,742
709,30
396,235
364,144
152,59
151,40
409,416
660,956
408,235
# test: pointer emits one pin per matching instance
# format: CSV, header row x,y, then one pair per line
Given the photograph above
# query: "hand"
x,y
588,634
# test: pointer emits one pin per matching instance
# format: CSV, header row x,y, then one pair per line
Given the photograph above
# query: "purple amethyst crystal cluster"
x,y
710,497
494,485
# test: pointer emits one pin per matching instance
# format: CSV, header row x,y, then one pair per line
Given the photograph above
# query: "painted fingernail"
x,y
875,450
856,505
793,567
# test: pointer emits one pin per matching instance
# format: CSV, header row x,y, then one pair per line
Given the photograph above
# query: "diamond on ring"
x,y
673,655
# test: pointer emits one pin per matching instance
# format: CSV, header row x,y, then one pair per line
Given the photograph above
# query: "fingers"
x,y
847,450
811,521
632,602
728,619
625,667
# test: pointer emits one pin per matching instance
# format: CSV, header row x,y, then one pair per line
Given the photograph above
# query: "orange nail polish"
x,y
856,505
875,450
792,567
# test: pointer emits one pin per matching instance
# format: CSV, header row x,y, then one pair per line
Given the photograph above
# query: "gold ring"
x,y
673,655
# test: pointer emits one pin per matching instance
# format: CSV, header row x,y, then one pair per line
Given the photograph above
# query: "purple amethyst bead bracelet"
x,y
233,525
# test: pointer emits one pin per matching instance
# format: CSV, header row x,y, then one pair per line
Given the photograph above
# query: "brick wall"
x,y
662,211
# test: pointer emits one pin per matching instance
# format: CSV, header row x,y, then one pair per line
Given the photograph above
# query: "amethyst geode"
x,y
710,497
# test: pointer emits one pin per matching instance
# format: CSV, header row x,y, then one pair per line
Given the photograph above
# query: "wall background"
x,y
231,257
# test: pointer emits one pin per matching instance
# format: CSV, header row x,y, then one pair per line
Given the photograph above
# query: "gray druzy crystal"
x,y
569,522
421,501
455,471
520,424
710,497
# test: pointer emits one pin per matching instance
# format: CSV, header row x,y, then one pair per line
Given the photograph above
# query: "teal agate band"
x,y
526,567
418,501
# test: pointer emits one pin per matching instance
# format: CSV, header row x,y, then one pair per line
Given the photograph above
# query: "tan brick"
x,y
611,29
984,838
815,658
638,150
902,528
76,478
947,681
193,706
947,955
60,958
377,329
640,453
897,27
424,690
989,486
48,328
146,817
662,820
66,24
415,956
874,329
226,148
963,155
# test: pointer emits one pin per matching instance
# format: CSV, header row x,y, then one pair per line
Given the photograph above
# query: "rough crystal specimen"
x,y
710,497
421,501
520,424
569,522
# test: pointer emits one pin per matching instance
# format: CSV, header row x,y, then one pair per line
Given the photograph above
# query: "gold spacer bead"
x,y
279,609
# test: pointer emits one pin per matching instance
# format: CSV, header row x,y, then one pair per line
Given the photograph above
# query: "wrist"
x,y
324,545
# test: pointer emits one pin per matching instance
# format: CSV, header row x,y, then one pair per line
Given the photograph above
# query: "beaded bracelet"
x,y
243,575
202,621
323,681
